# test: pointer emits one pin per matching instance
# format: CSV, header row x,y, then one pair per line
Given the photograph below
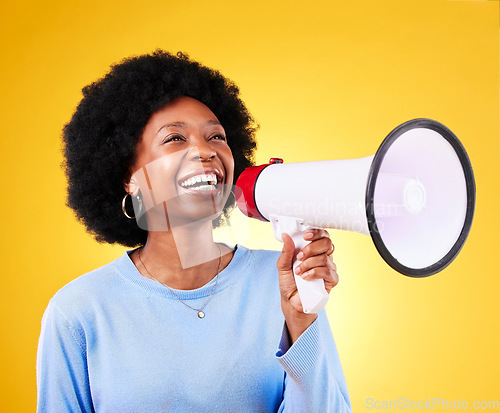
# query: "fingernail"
x,y
300,255
297,270
309,235
306,275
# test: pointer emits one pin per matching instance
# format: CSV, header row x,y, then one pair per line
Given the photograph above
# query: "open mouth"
x,y
201,183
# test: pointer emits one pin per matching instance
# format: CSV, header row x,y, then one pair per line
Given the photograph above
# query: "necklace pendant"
x,y
201,314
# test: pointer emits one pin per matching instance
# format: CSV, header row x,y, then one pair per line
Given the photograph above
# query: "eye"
x,y
218,136
173,138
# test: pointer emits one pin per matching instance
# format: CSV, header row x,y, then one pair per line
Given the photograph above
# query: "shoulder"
x,y
256,258
253,267
88,289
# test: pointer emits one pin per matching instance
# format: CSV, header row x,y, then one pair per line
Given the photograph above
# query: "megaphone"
x,y
415,197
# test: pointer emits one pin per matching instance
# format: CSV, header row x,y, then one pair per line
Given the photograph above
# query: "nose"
x,y
202,150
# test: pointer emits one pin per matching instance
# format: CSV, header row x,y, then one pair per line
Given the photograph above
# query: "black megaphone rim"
x,y
370,192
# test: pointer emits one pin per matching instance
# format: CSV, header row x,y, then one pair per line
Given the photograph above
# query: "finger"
x,y
316,233
316,261
329,284
331,264
330,251
312,262
316,247
329,277
325,273
285,260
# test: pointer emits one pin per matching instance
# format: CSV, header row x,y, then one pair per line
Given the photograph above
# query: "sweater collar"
x,y
227,276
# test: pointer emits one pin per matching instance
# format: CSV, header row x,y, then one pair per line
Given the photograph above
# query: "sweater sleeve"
x,y
314,380
62,375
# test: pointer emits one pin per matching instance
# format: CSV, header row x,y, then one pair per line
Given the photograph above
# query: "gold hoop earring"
x,y
139,200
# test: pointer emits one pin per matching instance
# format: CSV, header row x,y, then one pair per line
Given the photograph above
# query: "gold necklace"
x,y
201,314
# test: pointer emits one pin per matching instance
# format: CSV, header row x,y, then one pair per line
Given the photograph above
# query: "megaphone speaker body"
x,y
415,196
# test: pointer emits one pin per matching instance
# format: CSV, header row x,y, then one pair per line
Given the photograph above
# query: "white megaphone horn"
x,y
415,197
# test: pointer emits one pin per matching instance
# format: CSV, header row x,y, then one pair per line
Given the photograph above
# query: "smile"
x,y
201,183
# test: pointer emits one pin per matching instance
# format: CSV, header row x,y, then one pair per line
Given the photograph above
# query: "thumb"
x,y
285,260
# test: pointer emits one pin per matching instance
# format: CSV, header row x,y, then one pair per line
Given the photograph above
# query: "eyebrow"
x,y
184,124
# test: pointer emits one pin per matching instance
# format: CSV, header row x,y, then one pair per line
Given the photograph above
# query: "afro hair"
x,y
101,137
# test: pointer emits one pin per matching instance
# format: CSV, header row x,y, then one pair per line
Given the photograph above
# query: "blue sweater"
x,y
115,341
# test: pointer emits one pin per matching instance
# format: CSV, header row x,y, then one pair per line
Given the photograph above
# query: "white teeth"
x,y
211,179
204,188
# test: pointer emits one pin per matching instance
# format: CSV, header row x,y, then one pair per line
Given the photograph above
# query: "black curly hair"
x,y
101,137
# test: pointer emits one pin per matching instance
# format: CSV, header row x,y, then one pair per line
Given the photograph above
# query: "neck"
x,y
183,258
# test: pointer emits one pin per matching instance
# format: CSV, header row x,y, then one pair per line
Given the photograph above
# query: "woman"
x,y
179,323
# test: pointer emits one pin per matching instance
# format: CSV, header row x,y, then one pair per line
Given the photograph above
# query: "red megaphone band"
x,y
245,189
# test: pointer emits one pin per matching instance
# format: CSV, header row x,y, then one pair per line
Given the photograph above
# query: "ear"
x,y
131,186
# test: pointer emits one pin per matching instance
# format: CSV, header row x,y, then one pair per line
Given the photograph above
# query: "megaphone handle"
x,y
312,293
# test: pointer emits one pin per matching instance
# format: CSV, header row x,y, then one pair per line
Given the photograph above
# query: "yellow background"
x,y
325,80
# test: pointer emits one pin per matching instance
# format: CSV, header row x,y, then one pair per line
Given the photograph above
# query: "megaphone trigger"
x,y
312,293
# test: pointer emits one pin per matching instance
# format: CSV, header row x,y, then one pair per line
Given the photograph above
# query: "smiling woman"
x,y
180,323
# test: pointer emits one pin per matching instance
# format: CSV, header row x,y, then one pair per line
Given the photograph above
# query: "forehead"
x,y
182,110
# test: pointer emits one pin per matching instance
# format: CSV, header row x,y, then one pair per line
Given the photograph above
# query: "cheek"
x,y
157,180
228,161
